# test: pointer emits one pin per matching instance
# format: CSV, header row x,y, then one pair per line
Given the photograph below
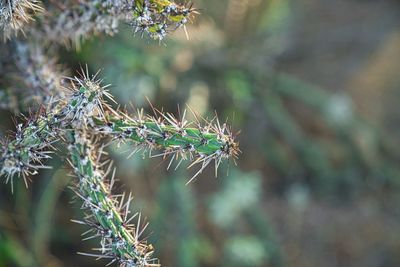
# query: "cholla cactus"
x,y
77,112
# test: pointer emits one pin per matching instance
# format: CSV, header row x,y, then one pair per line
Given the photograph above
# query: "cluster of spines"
x,y
107,216
156,17
74,22
14,14
24,153
30,146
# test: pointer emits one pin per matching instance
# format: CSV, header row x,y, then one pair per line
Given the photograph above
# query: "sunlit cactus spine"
x,y
14,14
77,112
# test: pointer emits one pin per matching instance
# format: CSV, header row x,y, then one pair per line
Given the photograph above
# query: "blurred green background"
x,y
314,88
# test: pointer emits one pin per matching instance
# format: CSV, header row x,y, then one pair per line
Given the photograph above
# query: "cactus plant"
x,y
77,111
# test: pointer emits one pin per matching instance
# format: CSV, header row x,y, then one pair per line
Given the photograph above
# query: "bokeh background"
x,y
314,88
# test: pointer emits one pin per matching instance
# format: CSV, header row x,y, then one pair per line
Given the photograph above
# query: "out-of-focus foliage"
x,y
312,85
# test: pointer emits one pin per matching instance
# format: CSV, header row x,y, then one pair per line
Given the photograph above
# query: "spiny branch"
x,y
180,140
107,216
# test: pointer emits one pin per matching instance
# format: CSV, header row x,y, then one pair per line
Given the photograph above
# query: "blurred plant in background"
x,y
312,85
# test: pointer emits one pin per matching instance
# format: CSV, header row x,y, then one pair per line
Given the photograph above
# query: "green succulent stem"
x,y
163,136
119,240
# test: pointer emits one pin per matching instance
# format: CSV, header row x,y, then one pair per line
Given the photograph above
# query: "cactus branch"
x,y
176,138
107,216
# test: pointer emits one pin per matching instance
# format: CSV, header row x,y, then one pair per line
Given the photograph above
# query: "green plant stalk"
x,y
177,139
120,241
164,136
